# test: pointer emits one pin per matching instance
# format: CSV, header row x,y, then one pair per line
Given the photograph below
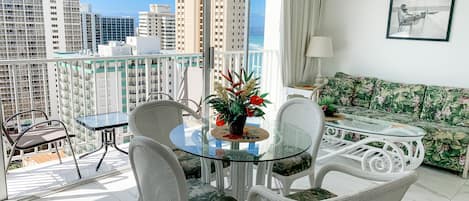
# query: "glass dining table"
x,y
285,140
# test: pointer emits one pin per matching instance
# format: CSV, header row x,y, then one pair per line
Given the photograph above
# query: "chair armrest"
x,y
257,193
25,112
38,124
380,177
199,107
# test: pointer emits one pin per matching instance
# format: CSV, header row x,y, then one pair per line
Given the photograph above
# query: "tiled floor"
x,y
41,178
433,184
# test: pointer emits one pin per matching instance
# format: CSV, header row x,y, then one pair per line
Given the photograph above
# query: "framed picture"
x,y
420,19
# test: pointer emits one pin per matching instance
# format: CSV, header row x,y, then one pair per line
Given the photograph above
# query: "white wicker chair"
x,y
391,187
156,119
308,116
160,177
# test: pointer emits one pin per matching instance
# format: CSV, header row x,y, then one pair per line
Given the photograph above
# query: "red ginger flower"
x,y
256,100
219,121
249,112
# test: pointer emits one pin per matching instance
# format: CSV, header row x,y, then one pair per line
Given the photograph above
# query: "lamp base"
x,y
320,81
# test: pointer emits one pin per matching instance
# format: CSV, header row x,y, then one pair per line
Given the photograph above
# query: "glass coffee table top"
x,y
375,127
283,142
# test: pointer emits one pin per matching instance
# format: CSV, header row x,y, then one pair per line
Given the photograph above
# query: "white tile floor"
x,y
42,178
433,184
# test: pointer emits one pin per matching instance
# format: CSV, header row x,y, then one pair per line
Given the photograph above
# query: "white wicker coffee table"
x,y
380,146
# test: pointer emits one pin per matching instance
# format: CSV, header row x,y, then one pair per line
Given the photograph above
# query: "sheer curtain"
x,y
288,26
300,19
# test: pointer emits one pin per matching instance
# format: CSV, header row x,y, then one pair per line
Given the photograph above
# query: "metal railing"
x,y
80,86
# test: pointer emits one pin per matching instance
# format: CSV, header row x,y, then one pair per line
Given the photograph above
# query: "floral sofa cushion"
x,y
445,144
445,104
398,98
363,89
341,89
456,109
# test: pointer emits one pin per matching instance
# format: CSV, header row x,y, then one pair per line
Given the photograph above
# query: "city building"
x,y
97,29
34,29
227,25
227,32
160,22
90,28
116,28
102,85
189,26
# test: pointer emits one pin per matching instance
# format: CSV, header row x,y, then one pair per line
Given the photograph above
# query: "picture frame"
x,y
428,20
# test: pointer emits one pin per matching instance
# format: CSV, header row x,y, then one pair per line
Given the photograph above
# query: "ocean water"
x,y
256,42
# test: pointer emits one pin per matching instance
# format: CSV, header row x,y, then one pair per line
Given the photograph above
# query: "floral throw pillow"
x,y
364,87
435,100
456,109
398,97
341,89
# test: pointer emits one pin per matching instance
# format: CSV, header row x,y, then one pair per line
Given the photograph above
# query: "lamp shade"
x,y
320,46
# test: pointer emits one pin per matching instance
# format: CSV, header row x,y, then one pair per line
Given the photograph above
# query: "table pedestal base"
x,y
108,138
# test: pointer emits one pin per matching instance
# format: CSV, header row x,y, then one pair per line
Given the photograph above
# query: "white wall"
x,y
358,29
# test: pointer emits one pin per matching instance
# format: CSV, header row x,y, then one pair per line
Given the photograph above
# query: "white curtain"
x,y
299,21
271,79
288,26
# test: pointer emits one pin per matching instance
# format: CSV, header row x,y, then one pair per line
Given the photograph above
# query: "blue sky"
x,y
132,7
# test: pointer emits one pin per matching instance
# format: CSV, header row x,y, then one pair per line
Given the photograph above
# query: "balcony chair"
x,y
38,134
159,176
194,105
159,96
156,119
308,116
389,187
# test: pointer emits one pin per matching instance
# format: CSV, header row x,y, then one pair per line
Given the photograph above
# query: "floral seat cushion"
x,y
199,191
314,194
376,114
191,164
445,144
293,165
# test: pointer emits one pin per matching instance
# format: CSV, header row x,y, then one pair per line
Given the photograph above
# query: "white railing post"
x,y
147,78
3,178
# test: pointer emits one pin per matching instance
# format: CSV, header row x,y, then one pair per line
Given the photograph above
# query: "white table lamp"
x,y
320,47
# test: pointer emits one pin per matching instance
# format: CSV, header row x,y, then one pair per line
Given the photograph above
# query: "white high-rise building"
x,y
160,22
90,28
103,85
34,29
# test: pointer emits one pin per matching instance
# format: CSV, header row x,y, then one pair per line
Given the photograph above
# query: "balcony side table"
x,y
107,124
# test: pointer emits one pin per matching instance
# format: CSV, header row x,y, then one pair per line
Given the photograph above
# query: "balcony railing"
x,y
79,86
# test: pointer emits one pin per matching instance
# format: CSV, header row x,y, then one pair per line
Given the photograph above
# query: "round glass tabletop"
x,y
284,141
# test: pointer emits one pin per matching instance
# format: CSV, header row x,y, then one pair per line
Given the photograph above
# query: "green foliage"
x,y
234,101
327,103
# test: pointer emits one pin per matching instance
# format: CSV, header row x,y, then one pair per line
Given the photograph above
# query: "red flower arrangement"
x,y
237,101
